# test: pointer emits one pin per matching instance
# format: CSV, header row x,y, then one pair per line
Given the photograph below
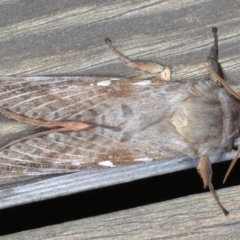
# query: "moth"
x,y
80,123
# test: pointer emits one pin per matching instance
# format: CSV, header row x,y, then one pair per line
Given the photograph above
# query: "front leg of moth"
x,y
215,66
205,170
216,74
151,67
213,57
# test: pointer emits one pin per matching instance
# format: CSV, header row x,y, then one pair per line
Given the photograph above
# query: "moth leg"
x,y
232,165
151,67
215,69
213,57
216,74
205,170
223,82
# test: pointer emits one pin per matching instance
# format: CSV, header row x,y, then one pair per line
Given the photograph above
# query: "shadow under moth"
x,y
81,123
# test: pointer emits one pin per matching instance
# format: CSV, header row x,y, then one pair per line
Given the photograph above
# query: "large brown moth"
x,y
80,124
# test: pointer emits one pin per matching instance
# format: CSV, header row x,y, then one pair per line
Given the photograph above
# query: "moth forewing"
x,y
131,105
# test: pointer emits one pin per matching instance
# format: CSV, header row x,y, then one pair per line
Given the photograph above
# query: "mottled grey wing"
x,y
140,108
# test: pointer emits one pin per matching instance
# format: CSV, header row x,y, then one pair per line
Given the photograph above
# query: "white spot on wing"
x,y
106,164
76,163
145,159
143,83
104,83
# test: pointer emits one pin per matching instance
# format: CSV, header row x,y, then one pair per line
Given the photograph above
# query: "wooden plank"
x,y
192,217
41,189
58,38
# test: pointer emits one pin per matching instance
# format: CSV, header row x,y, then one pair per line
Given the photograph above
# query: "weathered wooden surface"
x,y
192,217
41,188
56,38
66,38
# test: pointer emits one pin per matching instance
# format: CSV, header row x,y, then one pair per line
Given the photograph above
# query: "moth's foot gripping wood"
x,y
205,170
151,67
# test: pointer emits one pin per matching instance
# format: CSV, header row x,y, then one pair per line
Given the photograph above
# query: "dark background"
x,y
111,199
